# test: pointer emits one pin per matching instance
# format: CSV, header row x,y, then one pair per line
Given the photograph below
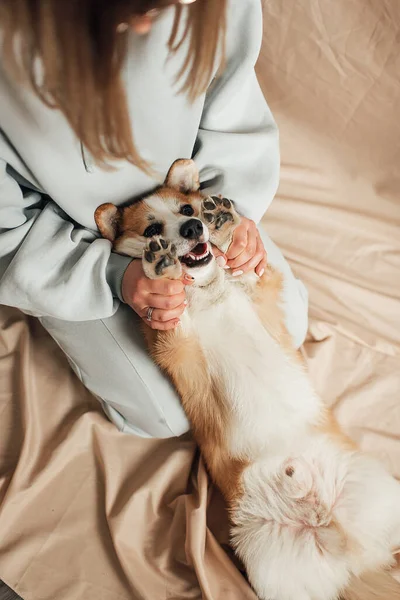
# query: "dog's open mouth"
x,y
198,257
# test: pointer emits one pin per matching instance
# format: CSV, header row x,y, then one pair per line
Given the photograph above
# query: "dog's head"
x,y
178,212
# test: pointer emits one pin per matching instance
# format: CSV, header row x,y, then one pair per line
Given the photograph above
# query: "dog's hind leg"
x,y
179,354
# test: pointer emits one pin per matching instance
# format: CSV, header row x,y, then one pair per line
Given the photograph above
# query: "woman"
x,y
97,99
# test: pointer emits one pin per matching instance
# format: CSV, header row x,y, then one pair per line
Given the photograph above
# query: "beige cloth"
x,y
331,73
87,513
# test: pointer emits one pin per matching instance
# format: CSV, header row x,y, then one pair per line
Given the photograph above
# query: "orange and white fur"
x,y
313,518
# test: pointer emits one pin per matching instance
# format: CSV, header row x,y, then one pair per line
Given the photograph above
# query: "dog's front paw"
x,y
221,218
218,211
160,260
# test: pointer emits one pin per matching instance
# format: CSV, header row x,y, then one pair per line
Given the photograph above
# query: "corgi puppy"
x,y
313,518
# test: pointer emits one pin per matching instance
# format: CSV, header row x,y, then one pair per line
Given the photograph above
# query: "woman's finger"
x,y
250,265
246,255
257,262
239,242
187,279
220,257
163,287
163,316
260,269
158,325
165,302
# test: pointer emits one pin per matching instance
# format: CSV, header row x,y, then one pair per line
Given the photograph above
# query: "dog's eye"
x,y
187,210
153,229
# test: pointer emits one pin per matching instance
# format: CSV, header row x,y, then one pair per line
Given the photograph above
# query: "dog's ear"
x,y
107,217
183,176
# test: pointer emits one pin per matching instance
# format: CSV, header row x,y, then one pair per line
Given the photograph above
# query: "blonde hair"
x,y
81,52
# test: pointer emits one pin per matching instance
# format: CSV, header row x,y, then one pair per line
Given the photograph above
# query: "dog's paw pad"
x,y
209,204
160,259
156,245
149,256
217,211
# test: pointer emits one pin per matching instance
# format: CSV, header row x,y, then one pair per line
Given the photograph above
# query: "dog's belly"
x,y
269,398
310,506
321,514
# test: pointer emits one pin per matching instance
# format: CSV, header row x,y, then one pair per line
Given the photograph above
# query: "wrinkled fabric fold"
x,y
88,513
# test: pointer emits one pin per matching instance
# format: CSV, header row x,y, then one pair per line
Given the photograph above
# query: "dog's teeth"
x,y
197,256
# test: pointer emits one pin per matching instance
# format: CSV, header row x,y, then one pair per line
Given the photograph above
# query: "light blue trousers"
x,y
110,358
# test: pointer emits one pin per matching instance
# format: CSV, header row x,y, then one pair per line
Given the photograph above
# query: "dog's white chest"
x,y
257,381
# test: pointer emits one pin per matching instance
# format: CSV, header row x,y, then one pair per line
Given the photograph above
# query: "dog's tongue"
x,y
199,249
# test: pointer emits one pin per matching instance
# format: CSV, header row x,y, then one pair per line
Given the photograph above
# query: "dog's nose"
x,y
191,229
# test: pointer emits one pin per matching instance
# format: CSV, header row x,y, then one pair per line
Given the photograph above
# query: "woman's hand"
x,y
165,296
246,252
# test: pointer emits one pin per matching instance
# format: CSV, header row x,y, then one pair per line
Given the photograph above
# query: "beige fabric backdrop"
x,y
87,513
331,72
